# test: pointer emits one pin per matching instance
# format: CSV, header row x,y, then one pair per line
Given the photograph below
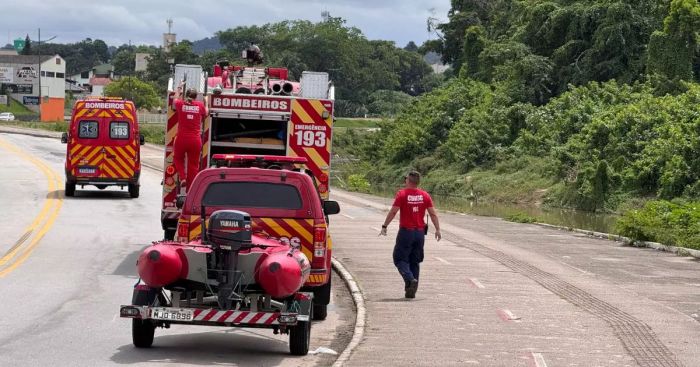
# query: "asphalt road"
x,y
495,293
68,263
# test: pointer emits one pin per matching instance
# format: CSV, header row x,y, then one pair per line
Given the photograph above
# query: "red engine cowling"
x,y
162,264
282,273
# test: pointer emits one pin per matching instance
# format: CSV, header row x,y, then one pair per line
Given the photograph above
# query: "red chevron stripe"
x,y
224,316
311,111
240,317
211,314
257,317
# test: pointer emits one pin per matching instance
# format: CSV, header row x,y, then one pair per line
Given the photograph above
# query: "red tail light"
x,y
319,259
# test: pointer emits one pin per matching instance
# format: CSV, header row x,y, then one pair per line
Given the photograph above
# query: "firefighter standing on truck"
x,y
188,141
408,251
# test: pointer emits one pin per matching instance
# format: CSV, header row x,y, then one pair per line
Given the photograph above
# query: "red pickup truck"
x,y
283,201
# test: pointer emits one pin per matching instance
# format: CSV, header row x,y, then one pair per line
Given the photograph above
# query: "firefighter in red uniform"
x,y
188,141
408,251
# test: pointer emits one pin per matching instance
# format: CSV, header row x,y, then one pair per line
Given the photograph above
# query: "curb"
x,y
359,301
681,251
31,132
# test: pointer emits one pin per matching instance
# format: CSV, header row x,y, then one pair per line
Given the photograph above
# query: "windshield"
x,y
253,195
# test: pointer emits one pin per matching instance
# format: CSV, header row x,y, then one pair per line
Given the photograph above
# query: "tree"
x,y
143,94
124,61
27,50
672,51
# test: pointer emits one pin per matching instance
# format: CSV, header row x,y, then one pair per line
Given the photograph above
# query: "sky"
x,y
144,21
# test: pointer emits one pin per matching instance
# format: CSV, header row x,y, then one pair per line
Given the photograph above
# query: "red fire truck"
x,y
258,111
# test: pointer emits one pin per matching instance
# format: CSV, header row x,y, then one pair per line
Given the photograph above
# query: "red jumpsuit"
x,y
188,141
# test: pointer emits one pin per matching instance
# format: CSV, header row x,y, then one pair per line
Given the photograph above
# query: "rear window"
x,y
253,195
87,129
119,130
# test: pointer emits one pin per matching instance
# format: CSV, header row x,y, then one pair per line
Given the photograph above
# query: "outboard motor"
x,y
229,231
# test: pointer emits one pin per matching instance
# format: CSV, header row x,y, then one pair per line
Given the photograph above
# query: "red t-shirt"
x,y
189,117
412,204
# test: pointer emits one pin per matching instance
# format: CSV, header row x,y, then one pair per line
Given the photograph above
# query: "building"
x,y
98,85
36,81
97,74
142,61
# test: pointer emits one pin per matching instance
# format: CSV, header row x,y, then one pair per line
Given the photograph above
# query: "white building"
x,y
37,81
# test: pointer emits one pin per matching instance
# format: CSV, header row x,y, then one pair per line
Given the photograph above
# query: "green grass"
x,y
16,108
357,123
50,126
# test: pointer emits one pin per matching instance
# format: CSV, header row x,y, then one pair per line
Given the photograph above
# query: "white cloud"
x,y
144,21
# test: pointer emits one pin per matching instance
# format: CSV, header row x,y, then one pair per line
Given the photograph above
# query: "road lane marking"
x,y
42,223
507,315
476,283
347,216
538,359
443,260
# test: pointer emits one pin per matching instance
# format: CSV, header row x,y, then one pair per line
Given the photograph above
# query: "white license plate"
x,y
172,314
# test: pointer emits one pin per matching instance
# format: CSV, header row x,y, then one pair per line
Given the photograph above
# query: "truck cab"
x,y
283,201
103,145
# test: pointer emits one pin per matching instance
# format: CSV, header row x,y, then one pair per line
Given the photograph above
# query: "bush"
x,y
359,183
670,223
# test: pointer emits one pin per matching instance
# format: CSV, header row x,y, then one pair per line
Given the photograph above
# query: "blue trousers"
x,y
408,253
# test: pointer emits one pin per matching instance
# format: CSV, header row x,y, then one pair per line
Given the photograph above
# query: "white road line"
x,y
347,216
442,260
539,360
476,283
507,315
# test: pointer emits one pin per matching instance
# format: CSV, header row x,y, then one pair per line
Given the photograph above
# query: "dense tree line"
x,y
364,71
598,98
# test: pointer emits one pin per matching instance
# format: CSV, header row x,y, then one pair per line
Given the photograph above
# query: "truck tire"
x,y
169,234
300,338
142,332
322,297
134,190
69,189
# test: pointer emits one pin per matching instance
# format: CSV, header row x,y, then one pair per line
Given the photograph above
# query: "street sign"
x,y
19,44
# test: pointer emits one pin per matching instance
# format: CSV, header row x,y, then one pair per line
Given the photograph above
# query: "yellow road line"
x,y
43,222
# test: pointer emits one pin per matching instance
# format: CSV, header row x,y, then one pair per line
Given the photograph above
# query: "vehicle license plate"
x,y
172,314
87,170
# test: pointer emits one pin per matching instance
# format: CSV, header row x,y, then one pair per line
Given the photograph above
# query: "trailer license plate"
x,y
172,314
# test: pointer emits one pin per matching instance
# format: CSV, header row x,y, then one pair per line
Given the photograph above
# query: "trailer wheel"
x,y
142,332
134,190
300,338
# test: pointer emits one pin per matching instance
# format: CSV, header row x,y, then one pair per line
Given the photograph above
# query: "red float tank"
x,y
282,272
162,264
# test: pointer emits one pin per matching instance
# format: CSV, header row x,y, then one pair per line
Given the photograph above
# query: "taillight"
x,y
319,259
183,231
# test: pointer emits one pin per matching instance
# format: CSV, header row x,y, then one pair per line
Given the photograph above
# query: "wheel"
x,y
134,190
322,297
142,332
69,189
300,338
169,234
320,312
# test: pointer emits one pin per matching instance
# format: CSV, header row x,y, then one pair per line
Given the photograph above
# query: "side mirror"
x,y
64,138
331,207
142,139
180,201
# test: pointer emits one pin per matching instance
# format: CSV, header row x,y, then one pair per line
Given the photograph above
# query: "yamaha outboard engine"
x,y
229,231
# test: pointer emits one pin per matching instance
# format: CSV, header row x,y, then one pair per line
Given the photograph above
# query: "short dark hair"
x,y
413,177
191,93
